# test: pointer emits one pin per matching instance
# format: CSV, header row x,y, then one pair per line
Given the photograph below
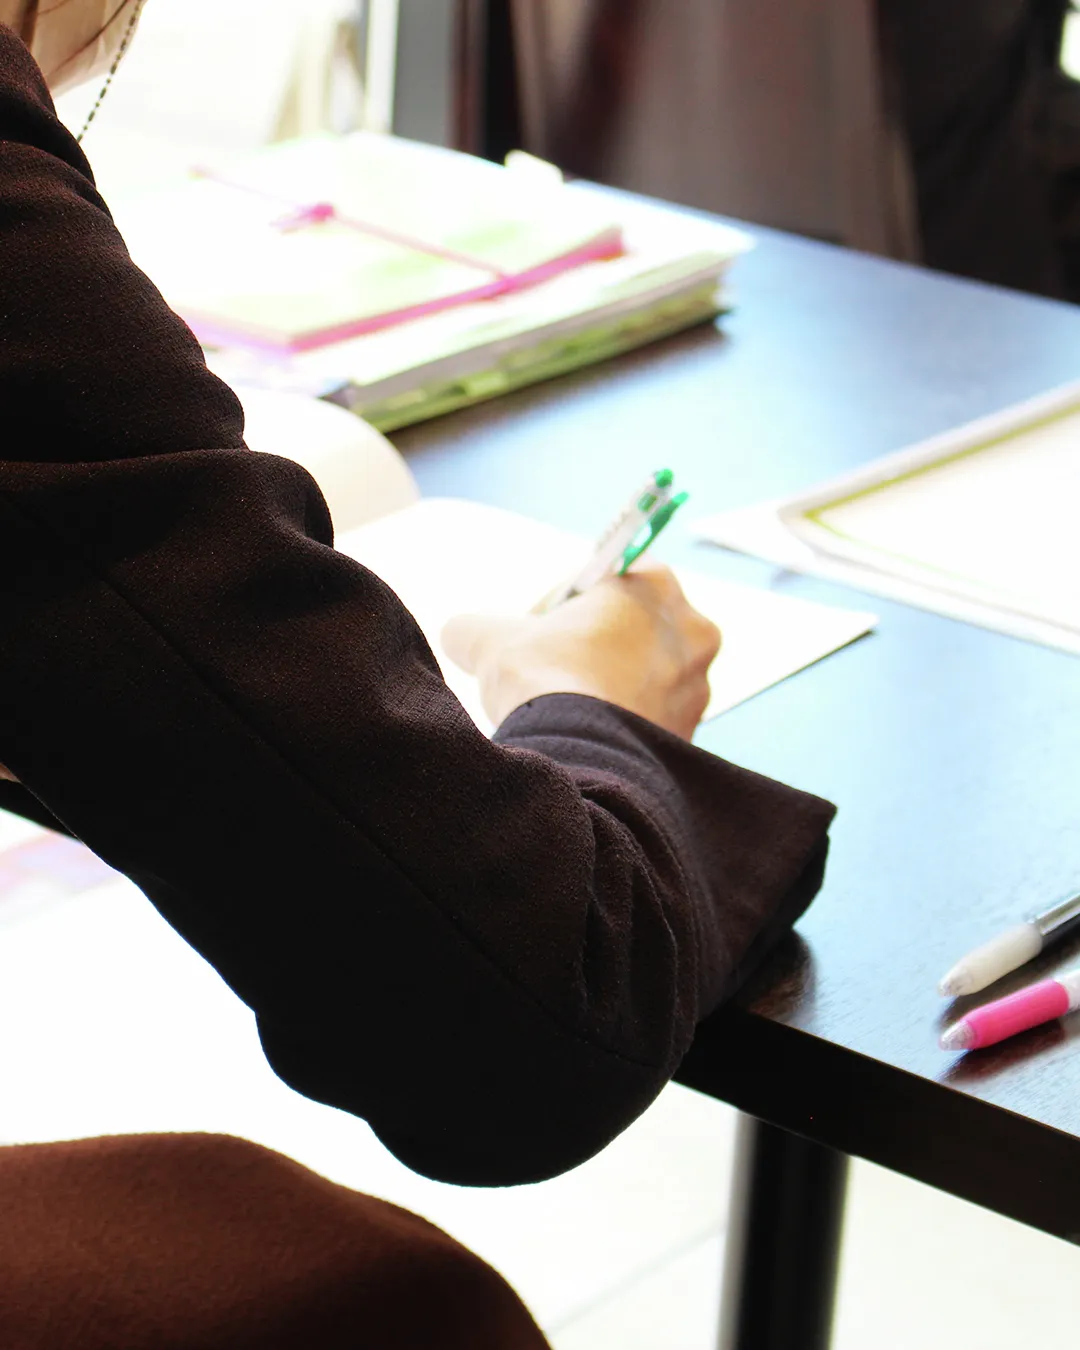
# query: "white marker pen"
x,y
1010,949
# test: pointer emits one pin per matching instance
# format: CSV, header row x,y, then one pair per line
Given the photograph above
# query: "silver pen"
x,y
1011,949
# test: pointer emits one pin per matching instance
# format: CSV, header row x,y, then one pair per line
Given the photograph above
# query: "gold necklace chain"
x,y
112,69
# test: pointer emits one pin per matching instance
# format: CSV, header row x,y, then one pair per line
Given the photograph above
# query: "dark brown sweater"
x,y
496,953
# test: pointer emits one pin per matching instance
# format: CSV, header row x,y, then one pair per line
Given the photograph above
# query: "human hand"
x,y
632,640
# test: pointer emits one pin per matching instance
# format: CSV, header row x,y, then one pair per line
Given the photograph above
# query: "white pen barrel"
x,y
992,960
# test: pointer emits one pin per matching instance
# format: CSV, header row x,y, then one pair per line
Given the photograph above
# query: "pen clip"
x,y
650,529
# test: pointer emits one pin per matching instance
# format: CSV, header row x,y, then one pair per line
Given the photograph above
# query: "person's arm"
x,y
495,952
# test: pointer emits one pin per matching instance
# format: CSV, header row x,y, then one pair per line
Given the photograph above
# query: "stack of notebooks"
x,y
402,280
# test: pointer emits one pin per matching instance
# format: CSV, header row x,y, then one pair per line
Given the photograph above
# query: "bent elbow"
x,y
492,1111
524,1127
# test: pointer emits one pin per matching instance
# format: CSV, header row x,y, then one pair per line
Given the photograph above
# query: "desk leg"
x,y
783,1244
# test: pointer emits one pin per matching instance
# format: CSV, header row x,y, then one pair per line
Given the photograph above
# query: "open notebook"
x,y
444,556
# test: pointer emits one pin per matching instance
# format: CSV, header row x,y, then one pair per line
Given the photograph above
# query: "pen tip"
x,y
957,1037
962,979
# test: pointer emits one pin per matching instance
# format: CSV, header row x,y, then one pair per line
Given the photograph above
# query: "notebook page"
x,y
443,557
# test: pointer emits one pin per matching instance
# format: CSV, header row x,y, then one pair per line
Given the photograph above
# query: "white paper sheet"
x,y
445,557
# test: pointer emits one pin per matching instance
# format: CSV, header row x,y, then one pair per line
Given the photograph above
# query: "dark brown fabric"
x,y
205,1242
994,131
496,953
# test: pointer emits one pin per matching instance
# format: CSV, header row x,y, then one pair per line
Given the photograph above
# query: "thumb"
x,y
467,637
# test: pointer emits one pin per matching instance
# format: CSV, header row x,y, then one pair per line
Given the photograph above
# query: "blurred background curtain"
x,y
776,111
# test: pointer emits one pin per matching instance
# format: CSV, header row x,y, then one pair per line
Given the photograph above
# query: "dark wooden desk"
x,y
953,753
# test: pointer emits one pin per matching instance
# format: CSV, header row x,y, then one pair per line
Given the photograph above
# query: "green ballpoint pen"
x,y
625,540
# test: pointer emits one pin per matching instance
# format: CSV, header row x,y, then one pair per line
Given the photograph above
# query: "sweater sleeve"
x,y
496,952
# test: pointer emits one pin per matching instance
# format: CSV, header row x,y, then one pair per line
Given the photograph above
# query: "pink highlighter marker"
x,y
1006,1017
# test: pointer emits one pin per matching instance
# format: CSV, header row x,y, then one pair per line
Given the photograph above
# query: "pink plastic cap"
x,y
1026,1008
